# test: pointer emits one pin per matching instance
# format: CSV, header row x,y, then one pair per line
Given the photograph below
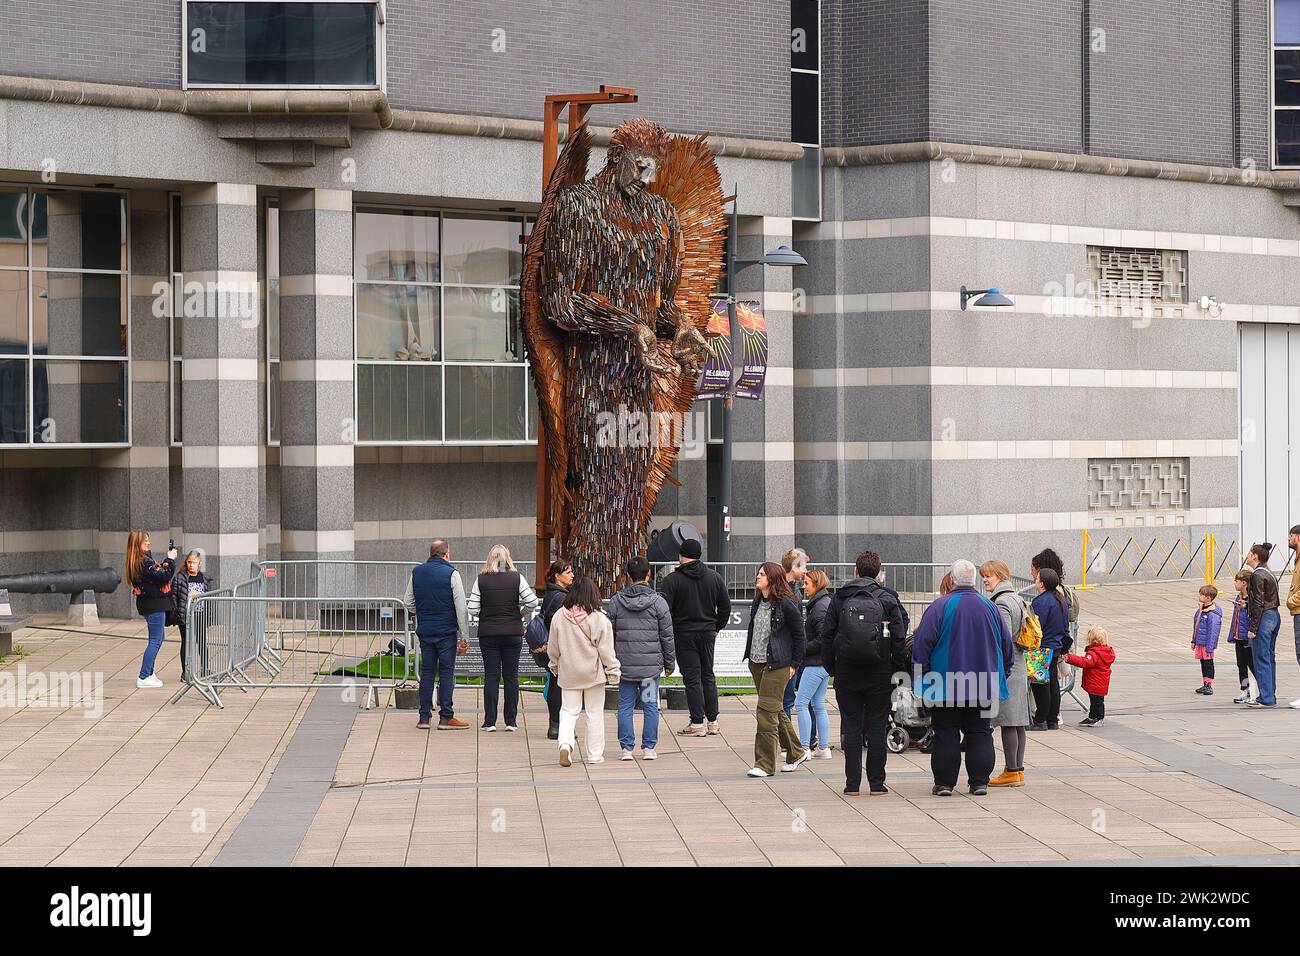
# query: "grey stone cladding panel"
x,y
898,413
1010,339
1008,413
888,487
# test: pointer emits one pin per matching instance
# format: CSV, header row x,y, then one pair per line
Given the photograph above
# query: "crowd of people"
x,y
979,659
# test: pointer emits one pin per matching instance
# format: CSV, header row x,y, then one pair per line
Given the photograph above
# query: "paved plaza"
x,y
305,777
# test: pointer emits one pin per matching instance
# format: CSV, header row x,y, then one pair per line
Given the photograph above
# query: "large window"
x,y
805,109
295,43
63,317
438,347
1286,83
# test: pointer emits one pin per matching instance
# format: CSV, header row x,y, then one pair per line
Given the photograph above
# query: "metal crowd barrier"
x,y
252,636
296,621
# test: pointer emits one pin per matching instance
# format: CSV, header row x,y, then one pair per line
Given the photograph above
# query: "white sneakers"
x,y
649,755
757,772
627,755
1295,704
600,759
510,729
489,730
566,758
792,767
150,681
823,754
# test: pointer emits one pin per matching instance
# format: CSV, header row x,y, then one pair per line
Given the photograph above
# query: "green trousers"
x,y
773,722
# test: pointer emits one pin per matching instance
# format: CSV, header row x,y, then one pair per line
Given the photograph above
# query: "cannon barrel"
x,y
102,580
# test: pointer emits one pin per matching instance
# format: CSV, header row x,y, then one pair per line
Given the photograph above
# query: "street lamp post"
x,y
781,256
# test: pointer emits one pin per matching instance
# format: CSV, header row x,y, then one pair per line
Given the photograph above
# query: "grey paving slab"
x,y
273,830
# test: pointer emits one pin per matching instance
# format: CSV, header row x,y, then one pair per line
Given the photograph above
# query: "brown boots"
x,y
1009,778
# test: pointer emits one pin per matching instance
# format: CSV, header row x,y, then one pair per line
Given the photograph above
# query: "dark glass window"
x,y
803,34
1286,77
281,44
804,127
79,230
1286,132
13,402
78,313
79,402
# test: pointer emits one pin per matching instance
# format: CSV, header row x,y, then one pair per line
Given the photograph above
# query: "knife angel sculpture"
x,y
616,283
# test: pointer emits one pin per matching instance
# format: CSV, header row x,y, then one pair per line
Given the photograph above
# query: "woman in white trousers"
x,y
581,651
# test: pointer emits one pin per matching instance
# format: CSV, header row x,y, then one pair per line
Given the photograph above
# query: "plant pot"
x,y
406,697
676,698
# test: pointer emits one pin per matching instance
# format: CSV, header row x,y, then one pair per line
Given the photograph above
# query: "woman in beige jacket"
x,y
581,649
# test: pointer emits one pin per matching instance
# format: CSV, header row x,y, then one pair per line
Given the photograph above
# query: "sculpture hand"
x,y
688,344
647,350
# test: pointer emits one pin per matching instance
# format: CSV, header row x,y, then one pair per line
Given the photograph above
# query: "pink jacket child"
x,y
1207,623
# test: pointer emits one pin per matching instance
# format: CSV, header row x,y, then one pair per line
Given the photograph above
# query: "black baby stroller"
x,y
909,721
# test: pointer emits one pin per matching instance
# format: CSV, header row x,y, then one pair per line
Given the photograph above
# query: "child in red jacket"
x,y
1095,661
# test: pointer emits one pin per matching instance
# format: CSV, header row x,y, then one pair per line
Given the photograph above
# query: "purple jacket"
x,y
1206,625
1239,629
962,651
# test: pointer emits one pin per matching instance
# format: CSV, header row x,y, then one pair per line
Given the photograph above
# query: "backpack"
x,y
862,638
1071,605
537,634
1031,630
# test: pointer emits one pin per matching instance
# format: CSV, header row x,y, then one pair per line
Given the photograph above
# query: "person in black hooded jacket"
x,y
863,690
810,700
698,601
558,578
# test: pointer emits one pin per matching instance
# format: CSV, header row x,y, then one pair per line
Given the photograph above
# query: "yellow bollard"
x,y
1083,585
1209,557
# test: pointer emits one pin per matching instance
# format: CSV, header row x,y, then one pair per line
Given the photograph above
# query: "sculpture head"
x,y
636,149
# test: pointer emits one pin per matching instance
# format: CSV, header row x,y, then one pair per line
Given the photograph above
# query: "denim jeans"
x,y
628,692
437,658
810,702
155,622
791,693
1264,649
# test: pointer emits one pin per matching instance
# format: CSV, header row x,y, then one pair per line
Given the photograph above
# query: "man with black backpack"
x,y
863,645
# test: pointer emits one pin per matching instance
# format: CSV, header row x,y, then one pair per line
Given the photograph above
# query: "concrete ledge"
x,y
930,152
367,108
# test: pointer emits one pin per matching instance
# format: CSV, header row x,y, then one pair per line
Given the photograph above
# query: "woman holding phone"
x,y
151,583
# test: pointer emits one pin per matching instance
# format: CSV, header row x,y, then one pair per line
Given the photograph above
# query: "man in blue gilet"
x,y
436,595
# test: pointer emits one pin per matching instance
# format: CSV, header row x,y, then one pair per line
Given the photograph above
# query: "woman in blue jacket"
x,y
1052,614
151,583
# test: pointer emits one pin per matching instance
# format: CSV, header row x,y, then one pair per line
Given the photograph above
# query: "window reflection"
x,y
79,402
79,230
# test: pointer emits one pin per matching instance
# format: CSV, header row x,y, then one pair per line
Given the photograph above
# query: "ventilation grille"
x,y
1147,484
1150,275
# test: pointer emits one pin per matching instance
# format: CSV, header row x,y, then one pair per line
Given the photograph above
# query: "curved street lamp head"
x,y
783,256
989,298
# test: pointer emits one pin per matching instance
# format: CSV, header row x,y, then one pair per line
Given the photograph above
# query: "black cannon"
x,y
103,580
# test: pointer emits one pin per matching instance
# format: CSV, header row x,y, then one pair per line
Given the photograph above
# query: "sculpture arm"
x,y
564,264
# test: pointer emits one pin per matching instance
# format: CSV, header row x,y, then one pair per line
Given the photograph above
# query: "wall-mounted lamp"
x,y
989,298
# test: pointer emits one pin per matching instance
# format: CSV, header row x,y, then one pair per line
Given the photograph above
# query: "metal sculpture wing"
x,y
689,179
